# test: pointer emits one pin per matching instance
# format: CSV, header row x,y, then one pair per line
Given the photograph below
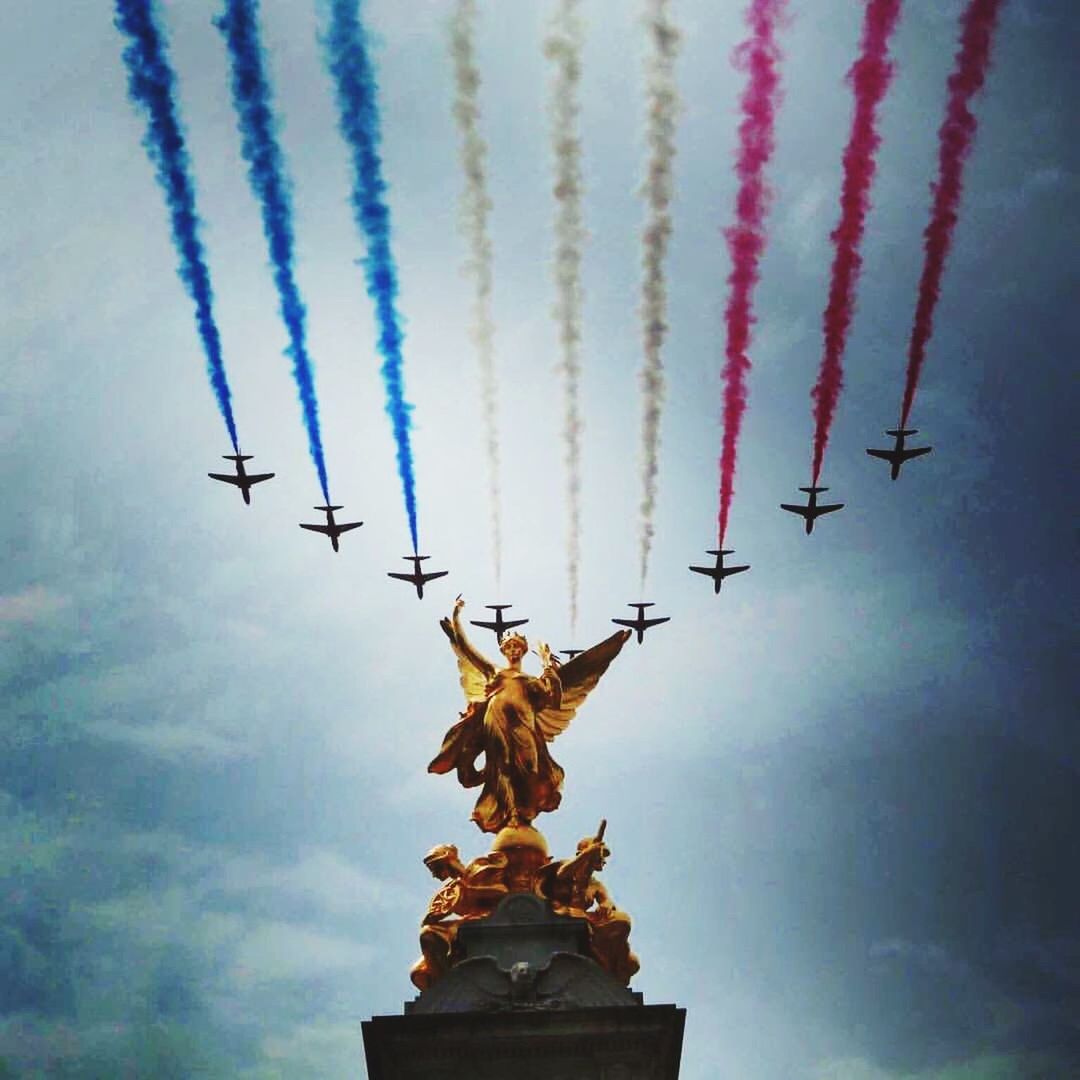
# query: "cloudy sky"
x,y
842,797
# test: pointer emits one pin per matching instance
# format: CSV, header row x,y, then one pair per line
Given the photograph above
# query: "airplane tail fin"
x,y
237,457
811,490
903,431
326,508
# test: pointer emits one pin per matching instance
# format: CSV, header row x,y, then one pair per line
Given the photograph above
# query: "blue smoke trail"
x,y
358,117
150,86
266,172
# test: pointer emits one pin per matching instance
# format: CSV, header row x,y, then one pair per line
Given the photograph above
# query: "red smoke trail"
x,y
759,56
869,77
955,137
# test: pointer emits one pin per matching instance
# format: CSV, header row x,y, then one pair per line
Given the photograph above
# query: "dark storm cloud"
x,y
921,896
128,948
843,801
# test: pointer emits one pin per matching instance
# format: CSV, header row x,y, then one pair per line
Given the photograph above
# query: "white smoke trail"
x,y
475,208
662,105
563,48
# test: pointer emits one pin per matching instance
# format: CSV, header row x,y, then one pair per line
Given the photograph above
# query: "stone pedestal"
x,y
526,1002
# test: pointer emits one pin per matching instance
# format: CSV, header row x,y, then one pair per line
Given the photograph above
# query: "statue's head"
x,y
513,646
443,861
603,852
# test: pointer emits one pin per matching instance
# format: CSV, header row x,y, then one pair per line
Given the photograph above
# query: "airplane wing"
x,y
632,623
325,529
830,508
709,571
402,577
346,527
885,455
803,511
434,574
258,478
917,452
656,622
229,478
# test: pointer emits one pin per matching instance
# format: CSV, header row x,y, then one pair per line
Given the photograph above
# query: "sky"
x,y
842,796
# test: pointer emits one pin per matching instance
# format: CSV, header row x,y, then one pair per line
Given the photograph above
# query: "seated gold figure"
x,y
572,888
469,892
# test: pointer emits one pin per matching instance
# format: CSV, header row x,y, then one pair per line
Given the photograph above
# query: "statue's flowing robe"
x,y
520,778
509,719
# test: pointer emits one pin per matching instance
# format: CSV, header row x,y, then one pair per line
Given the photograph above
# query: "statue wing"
x,y
475,670
578,677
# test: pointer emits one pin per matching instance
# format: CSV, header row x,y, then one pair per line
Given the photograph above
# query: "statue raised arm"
x,y
509,718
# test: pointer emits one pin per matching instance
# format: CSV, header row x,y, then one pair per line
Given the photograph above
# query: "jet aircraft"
x,y
241,478
570,653
640,624
499,625
811,511
417,577
719,571
332,528
900,453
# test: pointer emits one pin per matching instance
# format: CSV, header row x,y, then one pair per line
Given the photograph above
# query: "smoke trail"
x,y
662,104
150,86
349,61
870,77
563,48
759,56
475,207
266,172
955,136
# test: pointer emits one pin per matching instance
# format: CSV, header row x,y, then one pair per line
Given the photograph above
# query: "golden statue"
x,y
469,892
572,888
509,718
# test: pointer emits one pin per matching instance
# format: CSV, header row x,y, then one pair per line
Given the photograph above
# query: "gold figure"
x,y
469,892
573,889
509,718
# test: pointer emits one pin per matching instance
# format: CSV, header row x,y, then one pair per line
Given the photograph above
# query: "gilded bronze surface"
x,y
573,888
509,718
520,863
468,892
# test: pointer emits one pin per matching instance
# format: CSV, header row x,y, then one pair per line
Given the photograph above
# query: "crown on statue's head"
x,y
512,635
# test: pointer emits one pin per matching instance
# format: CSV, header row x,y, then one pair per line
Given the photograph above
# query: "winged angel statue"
x,y
509,719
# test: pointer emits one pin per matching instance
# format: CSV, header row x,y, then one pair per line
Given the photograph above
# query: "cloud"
x,y
1039,1066
320,1049
803,225
178,741
1036,183
280,951
322,879
851,1069
925,956
33,604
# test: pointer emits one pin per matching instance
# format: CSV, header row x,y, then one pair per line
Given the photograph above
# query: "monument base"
x,y
526,1002
643,1042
